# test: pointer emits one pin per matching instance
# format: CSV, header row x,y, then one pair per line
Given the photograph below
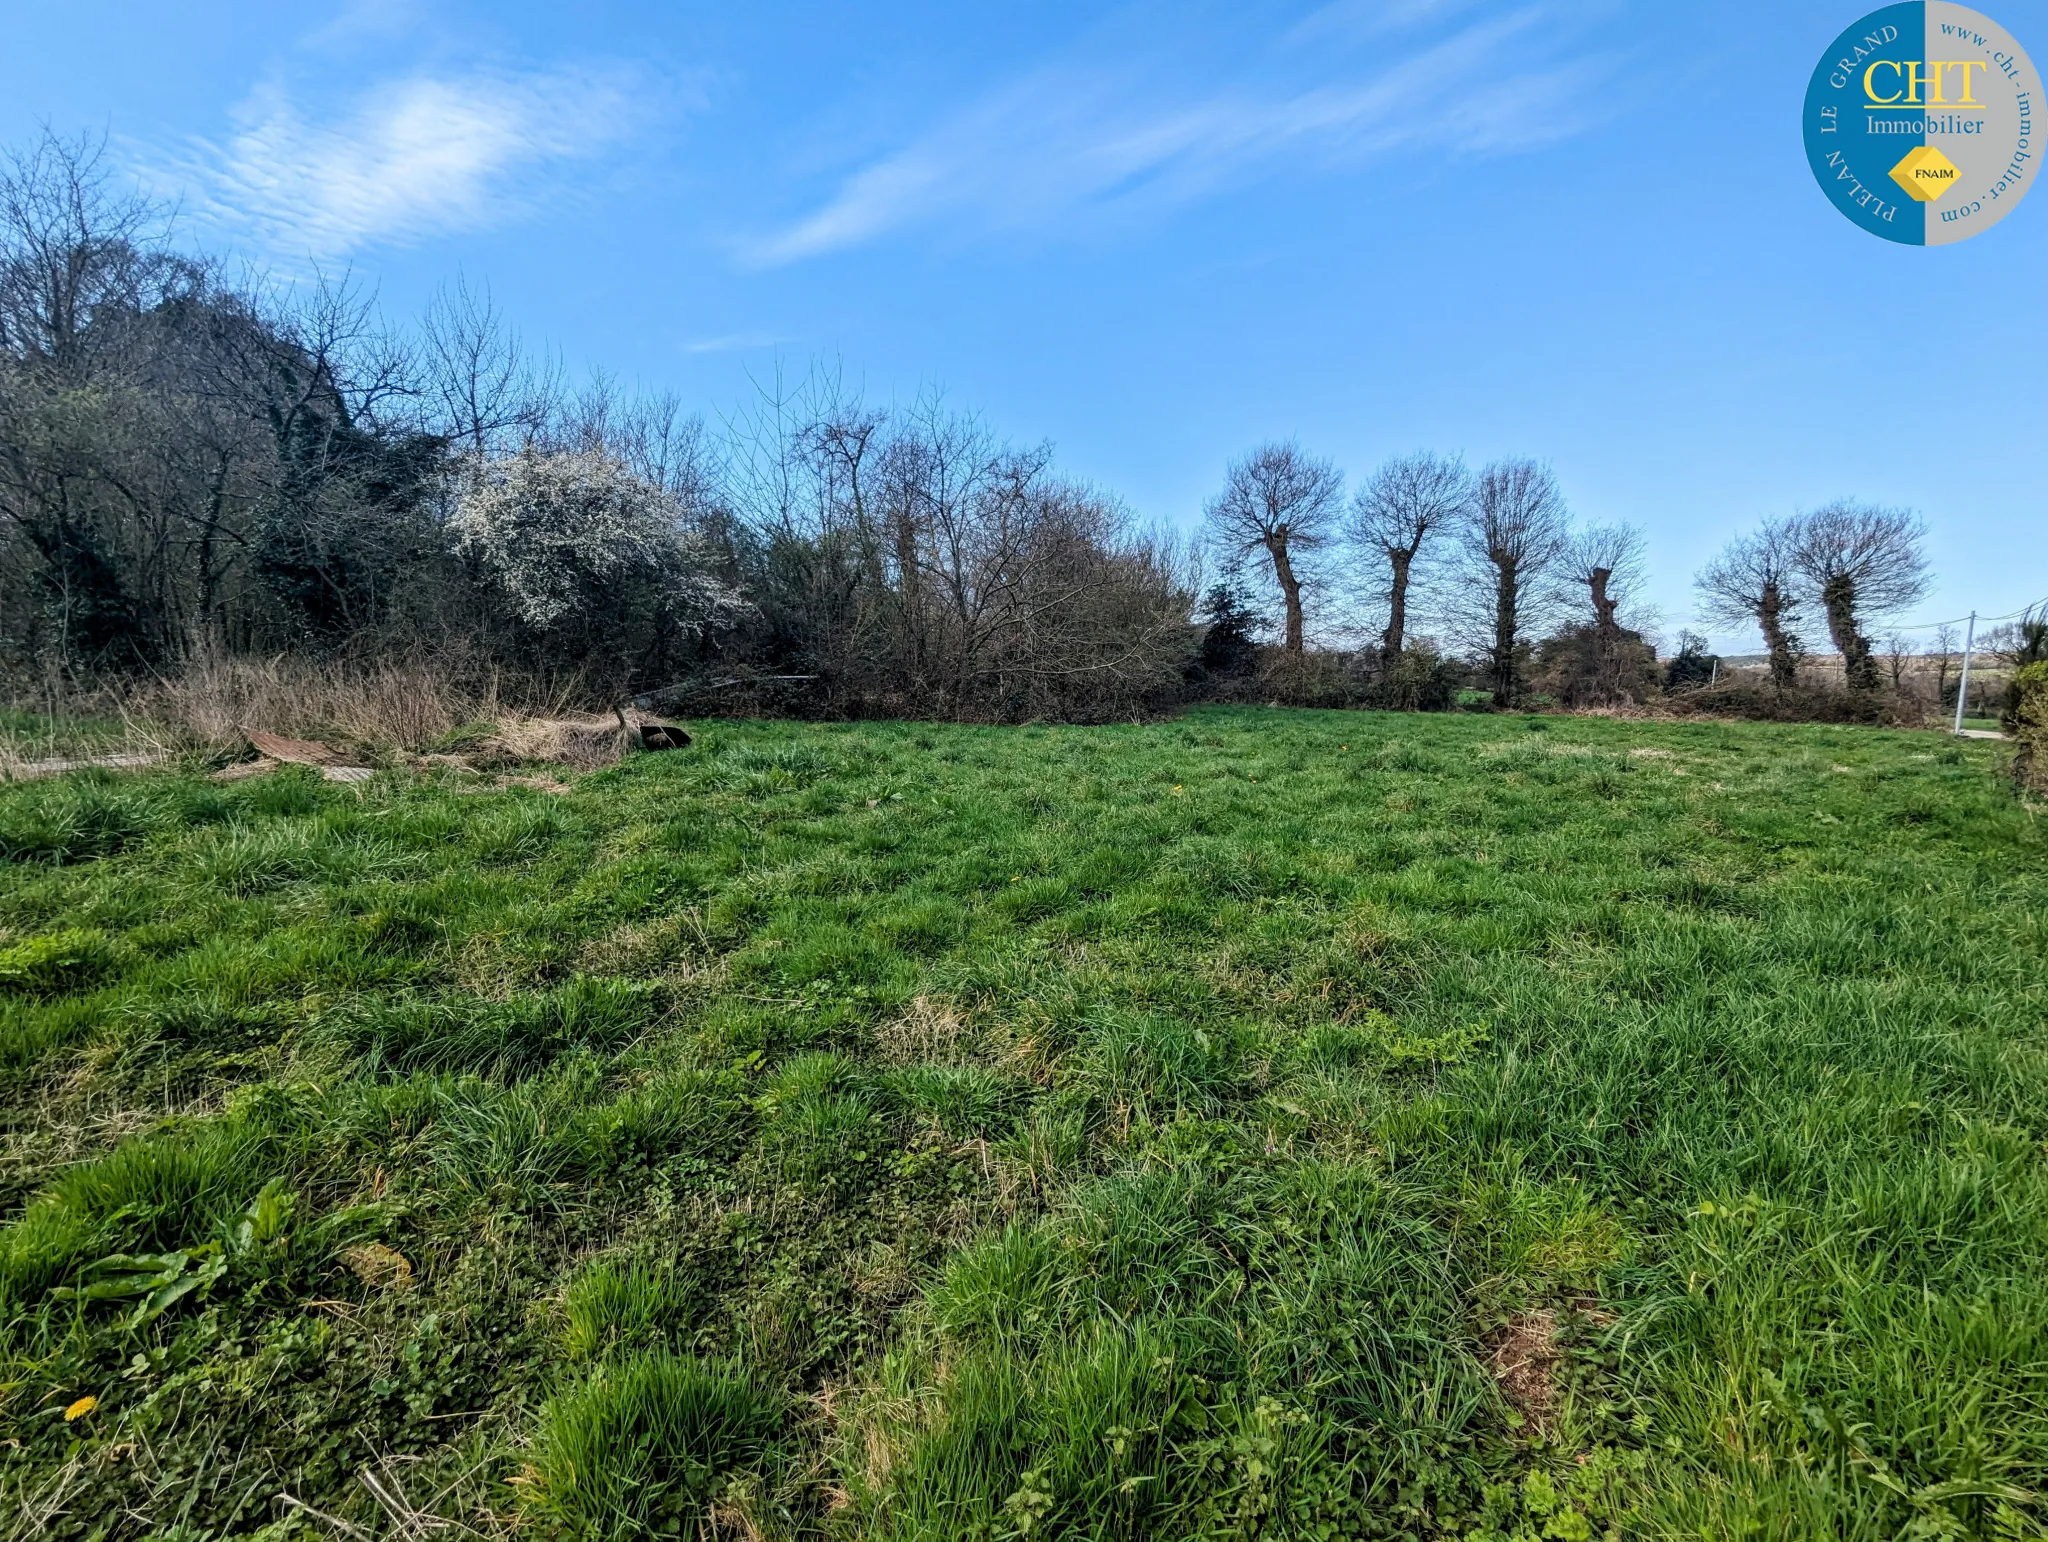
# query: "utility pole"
x,y
1963,686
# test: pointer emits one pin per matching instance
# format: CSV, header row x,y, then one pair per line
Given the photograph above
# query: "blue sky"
x,y
1153,234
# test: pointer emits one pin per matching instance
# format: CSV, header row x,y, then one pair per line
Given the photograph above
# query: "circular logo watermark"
x,y
1923,123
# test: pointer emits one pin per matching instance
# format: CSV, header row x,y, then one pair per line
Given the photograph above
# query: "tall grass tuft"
x,y
511,1038
641,1446
613,1305
76,819
147,1195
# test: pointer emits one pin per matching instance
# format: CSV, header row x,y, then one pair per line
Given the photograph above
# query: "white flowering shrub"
x,y
570,537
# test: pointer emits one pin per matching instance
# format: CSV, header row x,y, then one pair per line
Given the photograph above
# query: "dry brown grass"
x,y
405,703
929,1030
584,741
388,708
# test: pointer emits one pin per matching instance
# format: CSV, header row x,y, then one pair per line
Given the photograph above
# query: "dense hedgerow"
x,y
2026,722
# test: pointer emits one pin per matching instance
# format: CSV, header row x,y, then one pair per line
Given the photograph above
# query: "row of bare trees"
x,y
1853,564
1495,555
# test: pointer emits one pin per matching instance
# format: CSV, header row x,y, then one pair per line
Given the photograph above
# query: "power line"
x,y
2013,615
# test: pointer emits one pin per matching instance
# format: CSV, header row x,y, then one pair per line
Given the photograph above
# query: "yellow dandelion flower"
x,y
81,1408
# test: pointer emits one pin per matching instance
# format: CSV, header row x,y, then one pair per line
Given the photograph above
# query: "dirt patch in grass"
x,y
1524,1356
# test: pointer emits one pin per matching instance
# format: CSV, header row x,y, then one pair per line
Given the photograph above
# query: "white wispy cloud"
x,y
1072,146
1371,18
734,342
407,159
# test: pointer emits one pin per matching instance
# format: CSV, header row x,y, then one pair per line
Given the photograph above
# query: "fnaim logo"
x,y
1921,123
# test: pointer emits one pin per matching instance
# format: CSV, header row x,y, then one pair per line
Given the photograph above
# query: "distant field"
x,y
1263,1124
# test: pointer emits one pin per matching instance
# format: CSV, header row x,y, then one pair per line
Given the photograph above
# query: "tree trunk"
x,y
1507,685
1397,601
909,598
1290,590
1606,637
209,579
1770,615
1859,669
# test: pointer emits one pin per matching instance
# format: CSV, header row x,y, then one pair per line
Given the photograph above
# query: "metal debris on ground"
x,y
296,752
307,752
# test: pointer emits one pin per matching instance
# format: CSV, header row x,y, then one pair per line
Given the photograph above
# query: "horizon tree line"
x,y
193,463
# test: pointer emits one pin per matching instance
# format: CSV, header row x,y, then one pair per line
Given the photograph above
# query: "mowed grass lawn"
x,y
1274,1124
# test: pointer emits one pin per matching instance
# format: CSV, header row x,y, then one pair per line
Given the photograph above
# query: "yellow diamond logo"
x,y
1925,173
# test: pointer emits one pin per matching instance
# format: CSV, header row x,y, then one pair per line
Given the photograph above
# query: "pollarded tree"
x,y
1514,537
1284,502
1941,653
1408,499
1755,579
1861,563
1606,563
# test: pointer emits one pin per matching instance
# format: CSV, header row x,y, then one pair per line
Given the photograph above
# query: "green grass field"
x,y
1262,1124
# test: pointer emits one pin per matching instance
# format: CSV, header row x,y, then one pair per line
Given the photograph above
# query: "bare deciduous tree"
x,y
916,563
1899,652
185,465
1607,562
1514,537
1408,499
1861,563
1284,502
1754,579
1941,652
71,246
484,394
